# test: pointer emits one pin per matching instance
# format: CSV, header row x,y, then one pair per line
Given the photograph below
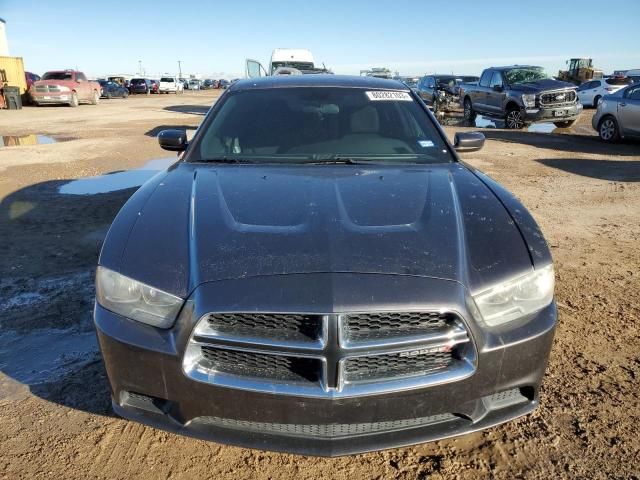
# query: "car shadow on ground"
x,y
48,252
190,109
156,130
567,143
611,170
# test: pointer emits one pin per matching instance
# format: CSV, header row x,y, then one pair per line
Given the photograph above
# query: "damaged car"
x,y
440,92
320,273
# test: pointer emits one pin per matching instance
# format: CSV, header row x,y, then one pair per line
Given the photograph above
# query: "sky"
x,y
411,37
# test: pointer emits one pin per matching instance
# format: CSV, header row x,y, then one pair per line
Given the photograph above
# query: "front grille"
x,y
284,327
329,354
48,88
380,325
558,99
262,365
395,365
328,430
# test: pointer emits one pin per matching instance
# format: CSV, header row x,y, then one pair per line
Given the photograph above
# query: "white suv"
x,y
170,84
590,93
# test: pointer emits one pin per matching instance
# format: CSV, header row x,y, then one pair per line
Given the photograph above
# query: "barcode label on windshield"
x,y
376,95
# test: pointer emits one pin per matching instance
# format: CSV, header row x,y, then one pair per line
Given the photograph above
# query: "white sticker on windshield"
x,y
389,95
425,143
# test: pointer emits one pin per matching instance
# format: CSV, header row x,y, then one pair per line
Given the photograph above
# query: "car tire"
x,y
108,95
469,113
596,100
125,94
565,124
74,100
608,129
514,119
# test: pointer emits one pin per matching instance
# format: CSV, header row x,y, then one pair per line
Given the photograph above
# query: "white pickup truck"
x,y
170,85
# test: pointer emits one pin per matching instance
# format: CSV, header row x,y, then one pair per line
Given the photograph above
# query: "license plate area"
x,y
559,113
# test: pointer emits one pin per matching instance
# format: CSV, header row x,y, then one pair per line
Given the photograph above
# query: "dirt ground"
x,y
55,416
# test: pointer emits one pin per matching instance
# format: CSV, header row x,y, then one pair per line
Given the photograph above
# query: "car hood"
x,y
63,83
201,223
542,85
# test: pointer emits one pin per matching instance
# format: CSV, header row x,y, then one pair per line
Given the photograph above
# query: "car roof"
x,y
318,80
508,67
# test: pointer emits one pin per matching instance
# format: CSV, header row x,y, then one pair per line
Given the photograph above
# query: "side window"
x,y
496,80
80,77
633,93
486,78
584,86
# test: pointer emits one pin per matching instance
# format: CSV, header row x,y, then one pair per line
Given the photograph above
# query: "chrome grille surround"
x,y
430,348
558,98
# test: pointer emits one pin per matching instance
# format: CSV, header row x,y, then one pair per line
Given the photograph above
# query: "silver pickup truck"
x,y
520,95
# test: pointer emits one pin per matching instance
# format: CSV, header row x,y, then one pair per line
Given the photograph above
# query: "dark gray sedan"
x,y
618,115
321,274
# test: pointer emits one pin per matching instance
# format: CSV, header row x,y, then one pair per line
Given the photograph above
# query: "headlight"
x,y
516,298
529,100
135,300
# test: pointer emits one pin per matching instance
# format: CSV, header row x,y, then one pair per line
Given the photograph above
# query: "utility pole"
x,y
140,67
180,69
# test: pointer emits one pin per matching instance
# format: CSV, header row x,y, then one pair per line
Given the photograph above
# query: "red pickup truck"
x,y
65,86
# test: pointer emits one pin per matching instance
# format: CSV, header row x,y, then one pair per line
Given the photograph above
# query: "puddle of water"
x,y
486,122
25,140
116,181
45,355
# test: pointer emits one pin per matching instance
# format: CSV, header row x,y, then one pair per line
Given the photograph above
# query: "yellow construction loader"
x,y
580,70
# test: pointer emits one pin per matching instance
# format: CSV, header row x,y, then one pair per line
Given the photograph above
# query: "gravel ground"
x,y
55,416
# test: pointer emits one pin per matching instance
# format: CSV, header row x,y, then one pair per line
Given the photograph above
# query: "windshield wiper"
x,y
226,159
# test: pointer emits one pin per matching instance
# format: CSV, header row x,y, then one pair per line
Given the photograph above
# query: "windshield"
x,y
446,81
137,81
58,76
167,79
320,124
515,76
296,65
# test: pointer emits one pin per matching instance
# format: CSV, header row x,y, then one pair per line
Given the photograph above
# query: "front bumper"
x,y
50,98
555,114
148,385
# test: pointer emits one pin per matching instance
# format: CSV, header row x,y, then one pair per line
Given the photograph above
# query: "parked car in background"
x,y
439,92
69,87
170,85
194,84
634,75
223,83
155,86
590,93
208,84
112,90
185,83
465,80
618,114
140,85
30,78
520,95
320,273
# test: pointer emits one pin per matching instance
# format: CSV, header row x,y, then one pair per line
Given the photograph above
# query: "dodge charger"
x,y
319,272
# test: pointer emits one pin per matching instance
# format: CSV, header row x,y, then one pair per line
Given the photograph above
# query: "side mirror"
x,y
173,140
497,88
468,141
431,85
